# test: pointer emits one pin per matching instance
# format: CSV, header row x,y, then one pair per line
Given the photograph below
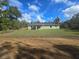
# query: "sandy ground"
x,y
39,48
41,42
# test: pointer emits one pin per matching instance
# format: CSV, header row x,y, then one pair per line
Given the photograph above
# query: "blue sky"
x,y
46,10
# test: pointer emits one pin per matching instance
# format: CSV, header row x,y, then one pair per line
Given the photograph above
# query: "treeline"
x,y
9,17
72,24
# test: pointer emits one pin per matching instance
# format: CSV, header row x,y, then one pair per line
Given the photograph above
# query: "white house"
x,y
45,25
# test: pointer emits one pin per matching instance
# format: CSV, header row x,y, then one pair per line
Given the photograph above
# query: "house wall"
x,y
29,27
48,27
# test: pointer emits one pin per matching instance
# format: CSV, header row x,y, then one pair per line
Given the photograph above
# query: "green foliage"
x,y
9,18
4,24
57,21
23,23
13,11
5,3
14,24
73,23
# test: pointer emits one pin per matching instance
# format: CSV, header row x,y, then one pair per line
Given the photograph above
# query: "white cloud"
x,y
29,18
33,8
67,2
69,12
33,14
59,1
26,17
40,19
15,3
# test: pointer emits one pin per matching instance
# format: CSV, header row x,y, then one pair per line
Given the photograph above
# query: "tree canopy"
x,y
73,23
57,21
9,16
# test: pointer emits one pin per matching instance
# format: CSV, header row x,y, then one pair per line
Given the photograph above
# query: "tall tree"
x,y
57,21
8,17
13,12
3,20
73,23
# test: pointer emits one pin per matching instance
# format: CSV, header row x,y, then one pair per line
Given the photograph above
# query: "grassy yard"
x,y
56,44
41,33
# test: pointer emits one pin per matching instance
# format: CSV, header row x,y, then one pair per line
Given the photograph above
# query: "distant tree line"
x,y
72,24
9,17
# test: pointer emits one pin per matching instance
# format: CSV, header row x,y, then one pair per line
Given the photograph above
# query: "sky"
x,y
46,10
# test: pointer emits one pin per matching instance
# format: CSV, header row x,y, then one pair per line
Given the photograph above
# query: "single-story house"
x,y
44,25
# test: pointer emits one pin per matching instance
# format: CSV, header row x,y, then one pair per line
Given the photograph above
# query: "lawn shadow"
x,y
24,51
72,50
5,50
39,53
33,53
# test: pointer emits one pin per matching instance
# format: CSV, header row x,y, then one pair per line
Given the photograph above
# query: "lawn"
x,y
41,33
56,44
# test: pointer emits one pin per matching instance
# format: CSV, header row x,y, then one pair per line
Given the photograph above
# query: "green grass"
x,y
42,33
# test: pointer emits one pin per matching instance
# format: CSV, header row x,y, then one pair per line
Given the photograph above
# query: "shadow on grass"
x,y
5,50
40,53
33,53
72,50
24,51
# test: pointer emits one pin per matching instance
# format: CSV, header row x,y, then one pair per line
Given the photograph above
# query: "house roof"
x,y
42,24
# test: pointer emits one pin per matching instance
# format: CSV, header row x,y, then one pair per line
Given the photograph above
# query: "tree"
x,y
14,24
9,17
4,24
3,20
73,23
13,12
38,26
57,21
23,23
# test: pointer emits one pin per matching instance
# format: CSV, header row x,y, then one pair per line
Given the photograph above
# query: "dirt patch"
x,y
38,48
